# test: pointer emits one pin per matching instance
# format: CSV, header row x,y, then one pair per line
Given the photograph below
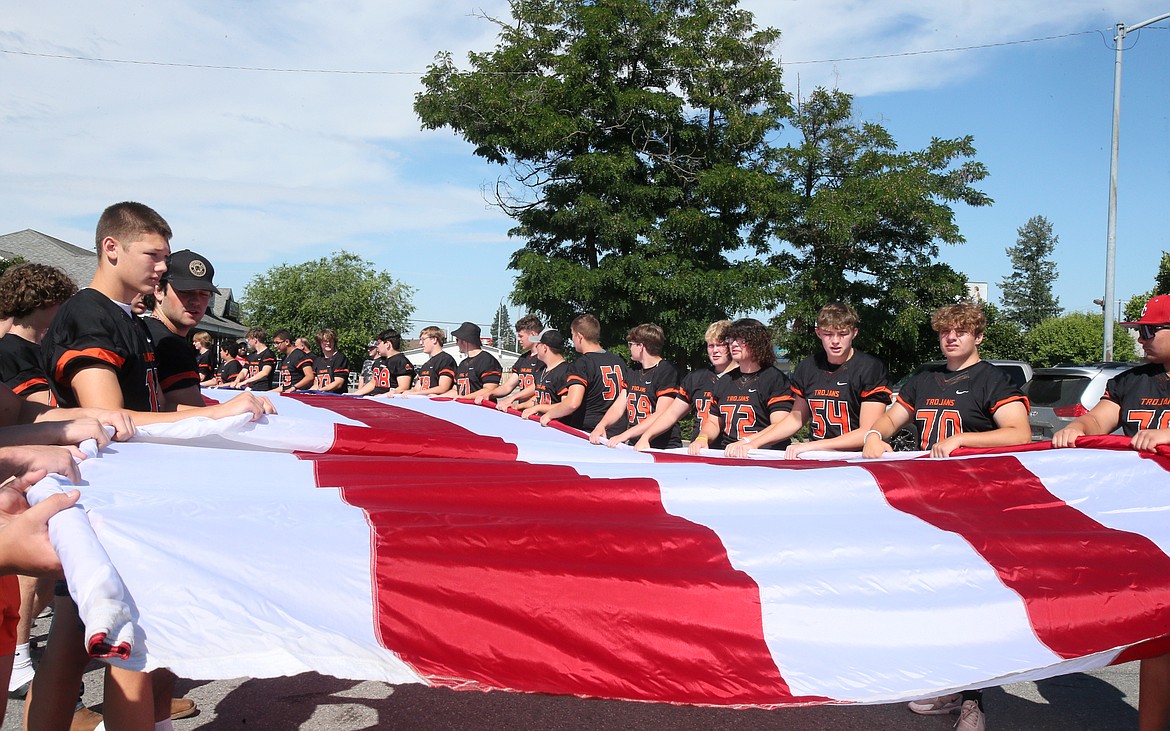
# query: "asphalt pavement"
x,y
1104,700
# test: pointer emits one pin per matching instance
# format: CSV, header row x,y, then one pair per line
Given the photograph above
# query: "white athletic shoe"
x,y
940,706
970,718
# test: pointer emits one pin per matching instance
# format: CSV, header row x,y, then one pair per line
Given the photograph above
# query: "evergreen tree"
x,y
1027,292
503,335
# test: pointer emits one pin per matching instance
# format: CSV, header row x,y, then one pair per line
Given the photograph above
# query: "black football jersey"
x,y
945,403
695,389
550,385
256,362
91,330
835,392
646,386
228,371
477,371
527,368
604,376
21,368
744,404
336,366
205,364
387,370
292,367
429,373
1144,397
177,367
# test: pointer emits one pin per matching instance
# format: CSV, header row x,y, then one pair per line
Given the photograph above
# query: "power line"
x,y
359,72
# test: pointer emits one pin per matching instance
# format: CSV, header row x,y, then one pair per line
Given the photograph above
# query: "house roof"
x,y
34,246
80,264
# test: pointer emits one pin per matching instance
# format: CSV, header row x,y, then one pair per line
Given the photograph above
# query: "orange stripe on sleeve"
x,y
106,356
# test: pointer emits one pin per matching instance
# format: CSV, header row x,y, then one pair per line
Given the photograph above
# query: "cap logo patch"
x,y
197,268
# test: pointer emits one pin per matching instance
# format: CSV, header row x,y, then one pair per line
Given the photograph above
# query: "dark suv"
x,y
1062,393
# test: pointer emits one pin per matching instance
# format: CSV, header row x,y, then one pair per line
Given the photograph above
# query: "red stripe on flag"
x,y
537,578
397,432
1085,586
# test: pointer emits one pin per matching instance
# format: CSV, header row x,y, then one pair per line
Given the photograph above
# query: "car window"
x,y
1054,391
1015,373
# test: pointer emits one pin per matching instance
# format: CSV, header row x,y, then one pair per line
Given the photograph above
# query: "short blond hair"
x,y
431,331
717,331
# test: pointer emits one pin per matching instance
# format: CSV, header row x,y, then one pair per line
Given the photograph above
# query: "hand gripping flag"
x,y
439,542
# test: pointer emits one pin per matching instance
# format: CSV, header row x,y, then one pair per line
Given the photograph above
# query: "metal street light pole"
x,y
1111,245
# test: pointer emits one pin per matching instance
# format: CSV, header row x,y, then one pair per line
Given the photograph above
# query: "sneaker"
x,y
22,675
970,718
182,708
942,705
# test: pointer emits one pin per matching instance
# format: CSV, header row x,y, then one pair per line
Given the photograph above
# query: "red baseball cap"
x,y
1156,312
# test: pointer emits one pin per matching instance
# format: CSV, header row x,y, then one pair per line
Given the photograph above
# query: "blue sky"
x,y
256,168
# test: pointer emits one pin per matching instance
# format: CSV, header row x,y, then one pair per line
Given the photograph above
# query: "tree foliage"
x,y
645,174
635,135
341,291
1076,338
503,335
1027,292
1133,308
1002,339
6,264
862,224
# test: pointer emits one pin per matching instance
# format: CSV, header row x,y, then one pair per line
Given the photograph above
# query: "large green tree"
x,y
636,138
1076,338
342,291
1027,292
861,223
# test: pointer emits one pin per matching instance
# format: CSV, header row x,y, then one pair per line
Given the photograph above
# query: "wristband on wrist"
x,y
746,440
871,431
700,437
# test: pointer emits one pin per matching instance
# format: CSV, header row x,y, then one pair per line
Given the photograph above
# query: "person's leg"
x,y
129,700
35,595
59,676
1154,693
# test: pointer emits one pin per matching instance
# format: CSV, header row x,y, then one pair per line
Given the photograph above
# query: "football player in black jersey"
x,y
596,382
751,396
333,367
1138,401
525,370
181,299
965,403
296,371
393,373
30,294
99,353
694,392
653,388
839,390
549,346
478,374
437,375
261,363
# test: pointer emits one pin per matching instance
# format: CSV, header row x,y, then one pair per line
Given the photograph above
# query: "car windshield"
x,y
1053,391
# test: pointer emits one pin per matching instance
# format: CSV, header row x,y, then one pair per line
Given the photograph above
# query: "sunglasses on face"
x,y
1145,332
